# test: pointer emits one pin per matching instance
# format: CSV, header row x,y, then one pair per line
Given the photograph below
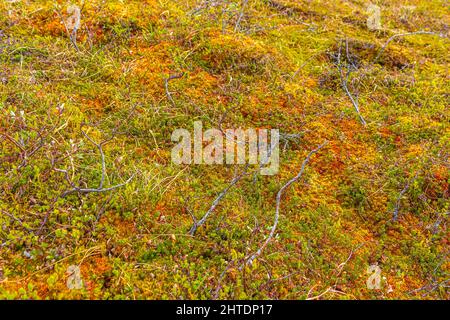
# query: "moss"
x,y
273,68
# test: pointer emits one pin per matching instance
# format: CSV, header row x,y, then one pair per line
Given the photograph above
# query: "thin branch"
x,y
430,287
216,202
304,64
72,36
166,85
100,149
320,295
89,190
241,15
340,267
344,82
398,36
350,66
278,202
100,188
16,219
400,196
17,144
42,134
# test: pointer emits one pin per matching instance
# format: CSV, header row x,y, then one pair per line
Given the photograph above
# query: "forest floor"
x,y
93,109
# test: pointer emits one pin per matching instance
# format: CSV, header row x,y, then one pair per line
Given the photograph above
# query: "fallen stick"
x,y
279,194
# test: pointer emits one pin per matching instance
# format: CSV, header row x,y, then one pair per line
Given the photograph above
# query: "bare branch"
x,y
398,36
72,36
278,202
89,190
166,85
350,67
241,15
16,143
400,196
344,81
216,202
100,188
15,219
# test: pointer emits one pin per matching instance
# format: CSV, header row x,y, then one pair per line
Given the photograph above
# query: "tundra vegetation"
x,y
359,92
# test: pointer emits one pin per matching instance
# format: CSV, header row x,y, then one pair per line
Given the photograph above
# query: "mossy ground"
x,y
273,69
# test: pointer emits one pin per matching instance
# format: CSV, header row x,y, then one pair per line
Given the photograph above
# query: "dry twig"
x,y
198,223
395,36
100,187
344,80
400,196
166,85
278,202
